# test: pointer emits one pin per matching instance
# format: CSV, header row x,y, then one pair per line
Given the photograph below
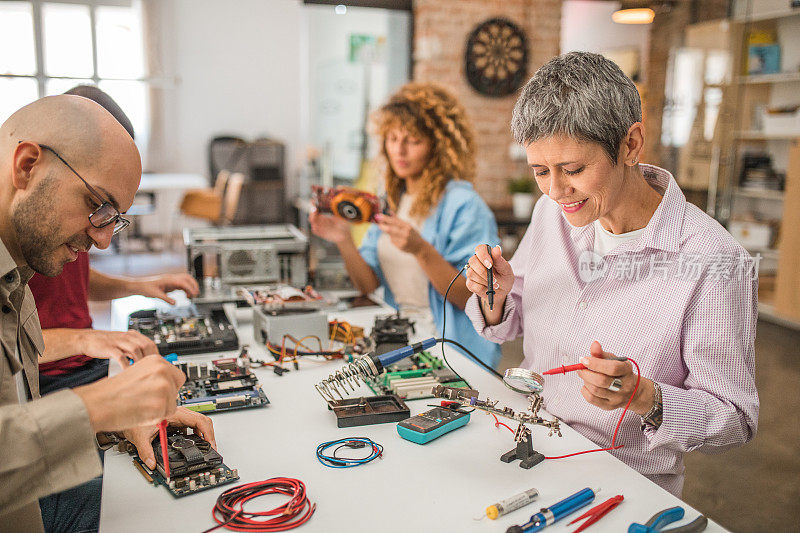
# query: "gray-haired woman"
x,y
615,255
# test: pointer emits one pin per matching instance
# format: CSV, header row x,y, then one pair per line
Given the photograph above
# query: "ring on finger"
x,y
616,385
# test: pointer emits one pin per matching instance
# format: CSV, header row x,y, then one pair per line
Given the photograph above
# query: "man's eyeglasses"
x,y
105,214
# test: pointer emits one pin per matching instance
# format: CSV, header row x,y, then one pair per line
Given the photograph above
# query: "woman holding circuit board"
x,y
428,146
617,264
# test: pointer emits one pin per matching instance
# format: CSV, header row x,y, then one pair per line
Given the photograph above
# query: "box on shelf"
x,y
751,235
787,123
764,59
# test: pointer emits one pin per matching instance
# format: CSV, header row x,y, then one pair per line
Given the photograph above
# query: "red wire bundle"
x,y
613,446
229,510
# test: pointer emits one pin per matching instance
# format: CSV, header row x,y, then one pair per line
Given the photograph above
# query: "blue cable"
x,y
331,461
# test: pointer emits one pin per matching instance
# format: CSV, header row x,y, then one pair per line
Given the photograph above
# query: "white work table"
x,y
441,486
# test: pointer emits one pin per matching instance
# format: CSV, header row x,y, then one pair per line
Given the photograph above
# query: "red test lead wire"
x,y
569,368
563,369
616,429
229,510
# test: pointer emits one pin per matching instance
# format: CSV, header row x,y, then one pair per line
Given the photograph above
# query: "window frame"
x,y
38,40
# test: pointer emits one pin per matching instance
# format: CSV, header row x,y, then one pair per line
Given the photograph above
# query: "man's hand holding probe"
x,y
137,399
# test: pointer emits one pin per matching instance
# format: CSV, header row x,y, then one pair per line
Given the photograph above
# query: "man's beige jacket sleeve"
x,y
46,446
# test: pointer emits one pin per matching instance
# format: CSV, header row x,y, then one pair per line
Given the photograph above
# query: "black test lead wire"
x,y
457,344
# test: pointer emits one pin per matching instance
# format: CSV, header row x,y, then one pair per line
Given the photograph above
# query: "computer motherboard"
x,y
414,377
220,385
186,331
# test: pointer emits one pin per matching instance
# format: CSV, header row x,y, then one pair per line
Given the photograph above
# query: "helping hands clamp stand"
x,y
524,382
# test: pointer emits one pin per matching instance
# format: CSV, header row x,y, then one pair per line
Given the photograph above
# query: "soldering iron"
x,y
366,367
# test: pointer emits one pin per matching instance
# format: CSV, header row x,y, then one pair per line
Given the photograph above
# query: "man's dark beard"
x,y
35,221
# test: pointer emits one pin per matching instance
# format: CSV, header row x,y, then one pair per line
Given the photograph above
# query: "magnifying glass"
x,y
523,381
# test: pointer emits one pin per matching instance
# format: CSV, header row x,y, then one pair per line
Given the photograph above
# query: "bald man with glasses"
x,y
47,216
75,353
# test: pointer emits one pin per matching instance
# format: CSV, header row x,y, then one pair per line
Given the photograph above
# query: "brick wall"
x,y
441,28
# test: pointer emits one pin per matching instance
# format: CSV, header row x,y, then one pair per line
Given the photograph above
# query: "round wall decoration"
x,y
496,57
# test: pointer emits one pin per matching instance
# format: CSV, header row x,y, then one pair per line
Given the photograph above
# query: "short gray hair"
x,y
581,95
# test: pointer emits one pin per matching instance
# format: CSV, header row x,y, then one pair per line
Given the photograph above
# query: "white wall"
x,y
239,67
337,88
587,26
249,68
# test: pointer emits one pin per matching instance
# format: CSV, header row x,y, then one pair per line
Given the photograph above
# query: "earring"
x,y
636,161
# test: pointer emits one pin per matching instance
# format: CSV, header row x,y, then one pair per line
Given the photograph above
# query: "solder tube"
x,y
511,504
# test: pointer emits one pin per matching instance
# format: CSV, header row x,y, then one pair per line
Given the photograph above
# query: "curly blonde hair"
x,y
428,111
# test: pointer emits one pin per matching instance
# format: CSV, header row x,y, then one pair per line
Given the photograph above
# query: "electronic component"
x,y
365,411
273,326
364,368
194,465
391,332
280,297
221,385
352,443
185,331
276,253
344,332
355,301
431,424
413,378
346,202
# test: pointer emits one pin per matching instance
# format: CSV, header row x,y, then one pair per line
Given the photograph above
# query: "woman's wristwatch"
x,y
654,415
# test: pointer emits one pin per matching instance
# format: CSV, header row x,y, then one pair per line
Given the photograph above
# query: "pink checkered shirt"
x,y
681,300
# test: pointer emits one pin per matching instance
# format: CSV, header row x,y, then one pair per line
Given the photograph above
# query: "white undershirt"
x,y
404,275
605,241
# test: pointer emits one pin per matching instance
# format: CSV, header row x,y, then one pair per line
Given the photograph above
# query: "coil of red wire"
x,y
229,510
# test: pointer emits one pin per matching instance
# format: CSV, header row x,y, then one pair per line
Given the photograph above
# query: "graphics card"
x,y
194,465
347,203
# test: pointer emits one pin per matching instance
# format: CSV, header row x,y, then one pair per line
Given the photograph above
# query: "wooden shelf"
x,y
768,15
767,312
764,194
781,77
766,253
761,136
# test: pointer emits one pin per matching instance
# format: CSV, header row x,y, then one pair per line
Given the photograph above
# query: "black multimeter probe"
x,y
489,282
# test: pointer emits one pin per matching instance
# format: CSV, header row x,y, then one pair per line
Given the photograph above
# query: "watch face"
x,y
496,57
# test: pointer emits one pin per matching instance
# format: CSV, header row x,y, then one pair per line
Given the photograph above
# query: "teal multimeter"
x,y
432,424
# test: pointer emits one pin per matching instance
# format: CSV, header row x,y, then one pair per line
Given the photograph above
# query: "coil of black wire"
x,y
229,510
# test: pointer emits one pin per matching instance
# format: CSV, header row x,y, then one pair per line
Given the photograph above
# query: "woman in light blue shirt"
x,y
428,147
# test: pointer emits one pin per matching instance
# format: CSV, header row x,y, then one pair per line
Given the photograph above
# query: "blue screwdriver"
x,y
550,515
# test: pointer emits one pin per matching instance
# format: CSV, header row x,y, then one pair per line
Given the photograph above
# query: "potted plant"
x,y
522,197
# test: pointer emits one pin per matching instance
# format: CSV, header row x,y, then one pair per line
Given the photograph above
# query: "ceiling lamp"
x,y
632,12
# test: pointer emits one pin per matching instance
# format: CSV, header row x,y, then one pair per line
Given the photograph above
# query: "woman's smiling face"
x,y
578,176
